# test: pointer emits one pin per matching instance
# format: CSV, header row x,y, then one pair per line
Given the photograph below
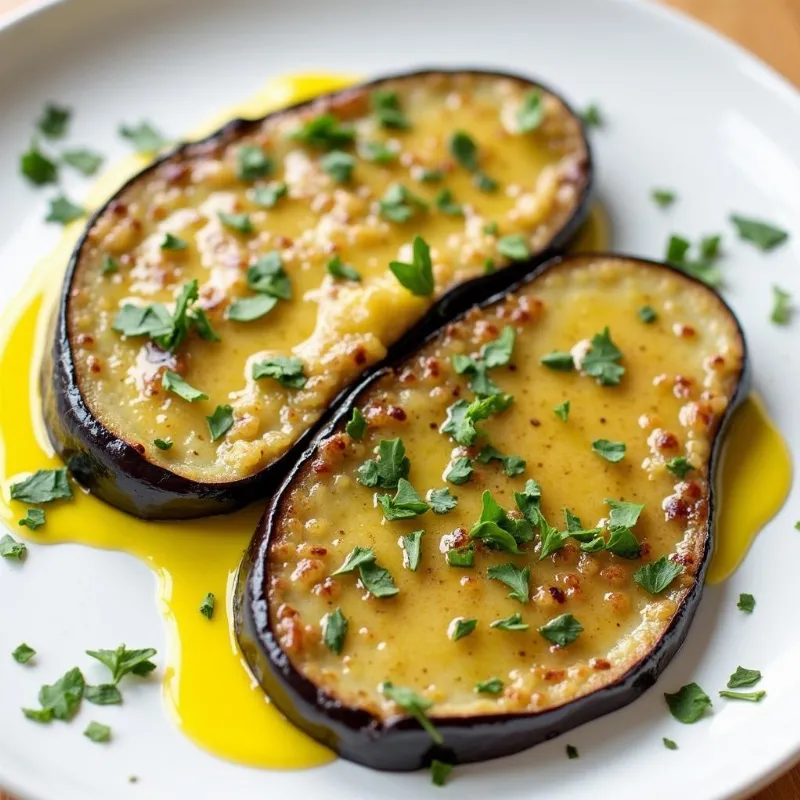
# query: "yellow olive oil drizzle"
x,y
207,689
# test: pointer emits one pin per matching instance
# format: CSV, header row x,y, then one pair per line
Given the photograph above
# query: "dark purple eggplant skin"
x,y
401,744
116,472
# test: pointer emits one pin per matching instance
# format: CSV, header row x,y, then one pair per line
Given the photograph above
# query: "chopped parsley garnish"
x,y
489,686
339,165
497,530
173,382
753,697
375,579
572,751
22,654
518,580
781,306
122,662
562,410
493,354
44,486
110,265
220,421
417,276
98,732
559,361
679,466
59,700
33,519
386,107
623,515
249,309
338,269
562,630
171,242
355,559
702,269
610,451
440,772
461,556
240,223
746,603
287,371
356,426
669,744
377,152
460,471
491,228
511,623
763,235
398,204
530,114
688,704
412,549
163,444
334,631
11,548
552,539
592,117
658,575
268,276
37,167
63,210
54,121
104,694
743,677
647,315
663,197
144,137
446,204
207,606
406,503
414,705
460,627
465,152
425,175
462,416
528,501
387,470
441,501
512,465
324,132
623,543
600,361
514,246
85,161
252,163
268,196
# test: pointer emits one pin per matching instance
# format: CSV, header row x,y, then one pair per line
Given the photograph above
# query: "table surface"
x,y
771,30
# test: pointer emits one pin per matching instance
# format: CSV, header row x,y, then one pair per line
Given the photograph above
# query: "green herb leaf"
x,y
122,662
425,175
562,410
339,269
249,309
334,631
512,623
600,361
781,306
489,686
153,321
220,421
356,558
252,163
376,152
464,150
104,694
173,382
144,137
498,352
746,603
677,252
562,630
460,471
171,242
441,501
512,465
324,132
446,204
462,416
552,539
398,204
493,527
54,121
356,427
688,704
240,223
763,235
377,580
414,705
743,677
87,162
663,197
339,165
559,361
44,486
647,315
63,698
37,167
412,547
406,503
753,697
440,772
43,715
287,371
669,744
63,211
97,732
460,627
268,196
417,276
22,654
461,556
514,246
386,107
530,114
610,451
11,548
592,117
518,580
622,514
391,465
658,575
623,543
679,466
110,265
163,444
207,606
33,519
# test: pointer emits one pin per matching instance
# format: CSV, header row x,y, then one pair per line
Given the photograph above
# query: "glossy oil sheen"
x,y
207,690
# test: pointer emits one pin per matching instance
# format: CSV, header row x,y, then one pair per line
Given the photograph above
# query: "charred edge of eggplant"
x,y
401,745
116,472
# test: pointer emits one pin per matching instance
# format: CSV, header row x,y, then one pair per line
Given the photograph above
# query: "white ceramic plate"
x,y
685,109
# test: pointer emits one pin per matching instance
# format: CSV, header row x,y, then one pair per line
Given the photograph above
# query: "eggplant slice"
x,y
288,224
500,658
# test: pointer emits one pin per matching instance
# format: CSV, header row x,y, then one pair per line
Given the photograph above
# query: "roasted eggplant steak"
x,y
222,299
505,534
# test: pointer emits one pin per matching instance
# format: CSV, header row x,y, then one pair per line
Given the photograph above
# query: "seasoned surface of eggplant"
x,y
574,424
288,226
